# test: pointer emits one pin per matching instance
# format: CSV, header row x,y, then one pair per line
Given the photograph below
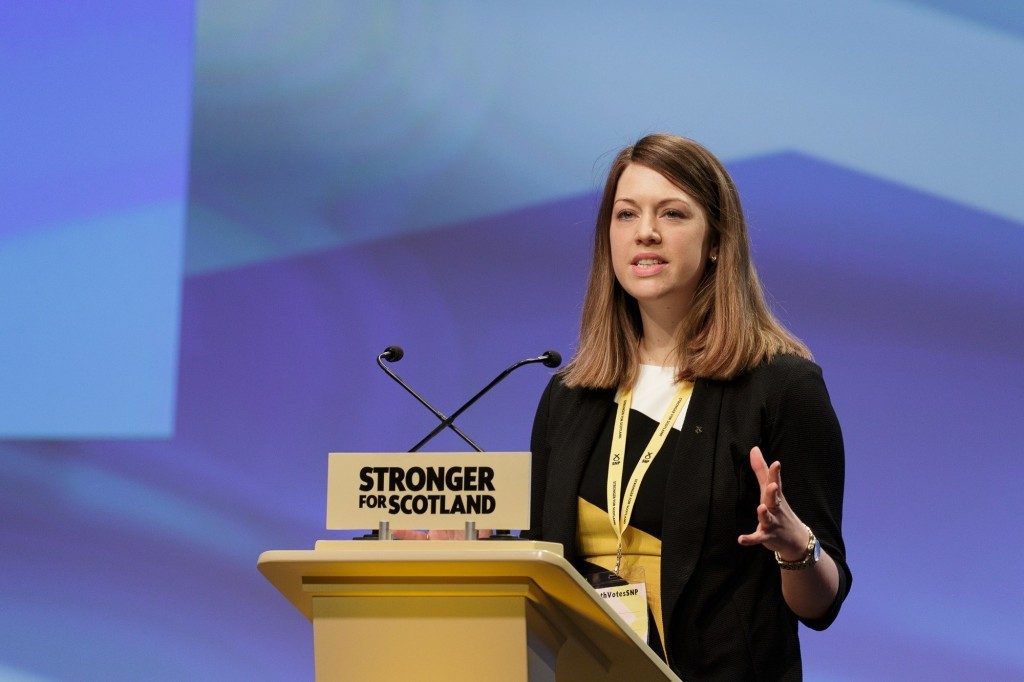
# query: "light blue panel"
x,y
94,124
90,326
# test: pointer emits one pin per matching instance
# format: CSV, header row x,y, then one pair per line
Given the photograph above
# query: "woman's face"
x,y
660,241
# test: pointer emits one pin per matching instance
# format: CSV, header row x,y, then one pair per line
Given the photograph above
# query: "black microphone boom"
x,y
394,354
549,358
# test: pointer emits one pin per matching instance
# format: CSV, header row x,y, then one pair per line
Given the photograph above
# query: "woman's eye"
x,y
672,213
624,214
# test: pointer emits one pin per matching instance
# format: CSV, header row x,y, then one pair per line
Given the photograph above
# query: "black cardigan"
x,y
724,614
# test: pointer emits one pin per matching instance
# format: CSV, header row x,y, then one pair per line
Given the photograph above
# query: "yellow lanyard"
x,y
615,459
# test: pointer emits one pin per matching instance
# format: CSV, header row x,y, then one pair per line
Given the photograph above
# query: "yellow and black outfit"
x,y
722,614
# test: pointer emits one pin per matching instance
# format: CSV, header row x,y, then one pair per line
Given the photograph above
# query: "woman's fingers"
x,y
760,467
409,535
436,535
772,512
769,478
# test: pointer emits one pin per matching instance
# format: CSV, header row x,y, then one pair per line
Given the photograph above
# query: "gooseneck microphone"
x,y
549,358
394,354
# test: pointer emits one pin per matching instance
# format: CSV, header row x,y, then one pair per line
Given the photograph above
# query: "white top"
x,y
654,390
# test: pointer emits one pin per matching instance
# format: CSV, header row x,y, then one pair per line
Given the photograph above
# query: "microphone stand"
x,y
394,353
449,422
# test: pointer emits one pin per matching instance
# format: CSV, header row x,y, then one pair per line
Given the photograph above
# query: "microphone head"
x,y
552,358
393,354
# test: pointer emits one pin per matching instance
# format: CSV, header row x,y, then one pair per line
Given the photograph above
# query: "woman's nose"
x,y
647,231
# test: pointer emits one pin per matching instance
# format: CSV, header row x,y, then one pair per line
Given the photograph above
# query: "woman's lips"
x,y
645,265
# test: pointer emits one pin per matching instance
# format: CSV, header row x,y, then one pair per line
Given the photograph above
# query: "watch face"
x,y
817,551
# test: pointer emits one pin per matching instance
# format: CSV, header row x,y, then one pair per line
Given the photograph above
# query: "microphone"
x,y
549,358
394,354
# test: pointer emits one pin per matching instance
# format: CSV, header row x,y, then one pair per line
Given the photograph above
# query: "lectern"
x,y
457,610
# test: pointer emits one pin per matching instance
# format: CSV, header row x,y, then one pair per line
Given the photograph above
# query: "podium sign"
x,y
431,490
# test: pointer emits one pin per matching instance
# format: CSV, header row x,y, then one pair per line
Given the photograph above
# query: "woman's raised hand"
x,y
778,527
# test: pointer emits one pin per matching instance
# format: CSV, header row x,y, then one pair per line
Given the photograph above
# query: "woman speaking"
x,y
690,448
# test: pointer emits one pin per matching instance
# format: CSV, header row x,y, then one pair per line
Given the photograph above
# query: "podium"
x,y
456,610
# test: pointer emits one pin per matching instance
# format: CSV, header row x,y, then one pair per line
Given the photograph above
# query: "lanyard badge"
x,y
620,519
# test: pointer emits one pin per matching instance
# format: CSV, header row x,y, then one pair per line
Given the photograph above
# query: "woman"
x,y
681,365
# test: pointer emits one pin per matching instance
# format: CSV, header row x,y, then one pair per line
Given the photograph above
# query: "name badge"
x,y
627,599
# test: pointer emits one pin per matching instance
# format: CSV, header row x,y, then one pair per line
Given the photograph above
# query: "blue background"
x,y
214,216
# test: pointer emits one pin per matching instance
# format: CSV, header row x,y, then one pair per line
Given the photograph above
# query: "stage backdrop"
x,y
214,217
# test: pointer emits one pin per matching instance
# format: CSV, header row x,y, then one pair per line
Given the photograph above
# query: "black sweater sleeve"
x,y
803,433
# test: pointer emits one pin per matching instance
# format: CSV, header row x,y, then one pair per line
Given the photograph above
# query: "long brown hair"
x,y
729,328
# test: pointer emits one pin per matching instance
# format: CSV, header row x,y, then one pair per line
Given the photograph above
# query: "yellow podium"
x,y
460,610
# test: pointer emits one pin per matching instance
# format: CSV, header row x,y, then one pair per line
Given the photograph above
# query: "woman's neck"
x,y
658,349
660,341
657,354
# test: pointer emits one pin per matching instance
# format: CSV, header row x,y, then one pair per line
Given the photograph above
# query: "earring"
x,y
714,259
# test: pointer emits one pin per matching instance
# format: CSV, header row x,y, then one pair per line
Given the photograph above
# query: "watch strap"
x,y
810,556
